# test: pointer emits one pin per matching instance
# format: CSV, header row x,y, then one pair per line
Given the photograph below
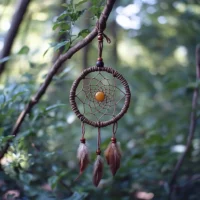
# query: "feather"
x,y
83,157
113,157
107,153
98,170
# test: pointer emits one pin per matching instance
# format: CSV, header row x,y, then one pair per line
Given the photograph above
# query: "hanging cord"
x,y
115,126
83,133
100,37
98,152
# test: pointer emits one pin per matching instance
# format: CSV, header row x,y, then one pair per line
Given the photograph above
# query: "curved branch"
x,y
193,119
12,32
61,59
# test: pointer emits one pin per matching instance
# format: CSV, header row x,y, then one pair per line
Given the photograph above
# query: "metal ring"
x,y
73,96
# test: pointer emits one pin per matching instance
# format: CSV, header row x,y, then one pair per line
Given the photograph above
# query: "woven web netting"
x,y
113,102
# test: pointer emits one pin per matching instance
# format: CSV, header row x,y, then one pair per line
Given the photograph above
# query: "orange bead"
x,y
100,96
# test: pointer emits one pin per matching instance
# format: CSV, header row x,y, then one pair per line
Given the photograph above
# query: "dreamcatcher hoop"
x,y
116,75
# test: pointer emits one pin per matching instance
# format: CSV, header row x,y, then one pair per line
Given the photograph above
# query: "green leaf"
x,y
55,26
75,15
155,139
83,33
46,51
54,106
62,25
67,46
64,5
24,50
4,139
1,131
62,174
65,26
96,10
53,181
80,3
14,97
62,16
61,44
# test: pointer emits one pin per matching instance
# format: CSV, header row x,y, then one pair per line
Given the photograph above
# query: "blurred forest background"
x,y
153,46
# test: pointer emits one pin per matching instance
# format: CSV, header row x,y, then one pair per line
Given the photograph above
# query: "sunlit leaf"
x,y
61,44
80,3
83,33
24,50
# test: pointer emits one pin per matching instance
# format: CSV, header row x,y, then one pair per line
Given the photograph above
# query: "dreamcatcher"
x,y
100,97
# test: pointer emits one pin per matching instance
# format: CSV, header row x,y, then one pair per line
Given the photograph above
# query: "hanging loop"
x,y
83,133
98,152
113,138
101,34
100,37
107,38
115,126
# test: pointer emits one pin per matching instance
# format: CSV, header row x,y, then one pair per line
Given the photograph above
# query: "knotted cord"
x,y
99,141
101,35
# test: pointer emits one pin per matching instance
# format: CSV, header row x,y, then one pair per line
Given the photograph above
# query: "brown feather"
x,y
98,170
113,157
107,152
83,157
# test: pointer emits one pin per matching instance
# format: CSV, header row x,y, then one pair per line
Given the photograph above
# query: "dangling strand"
x,y
113,152
98,165
82,153
100,38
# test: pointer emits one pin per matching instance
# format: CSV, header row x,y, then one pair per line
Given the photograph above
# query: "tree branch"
x,y
193,119
62,58
12,32
86,49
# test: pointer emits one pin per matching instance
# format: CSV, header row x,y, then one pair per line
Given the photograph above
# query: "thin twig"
x,y
61,59
193,119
